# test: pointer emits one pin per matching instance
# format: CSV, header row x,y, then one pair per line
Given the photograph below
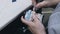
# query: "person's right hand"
x,y
45,3
41,4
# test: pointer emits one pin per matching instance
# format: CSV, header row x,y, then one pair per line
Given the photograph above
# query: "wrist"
x,y
41,32
52,2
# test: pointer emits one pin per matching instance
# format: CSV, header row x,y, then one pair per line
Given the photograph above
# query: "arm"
x,y
52,2
46,3
34,2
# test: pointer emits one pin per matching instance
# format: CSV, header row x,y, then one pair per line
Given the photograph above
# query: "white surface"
x,y
9,10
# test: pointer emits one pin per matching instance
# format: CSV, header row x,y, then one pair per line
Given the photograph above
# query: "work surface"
x,y
9,10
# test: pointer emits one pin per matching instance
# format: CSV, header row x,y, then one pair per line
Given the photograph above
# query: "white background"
x,y
9,10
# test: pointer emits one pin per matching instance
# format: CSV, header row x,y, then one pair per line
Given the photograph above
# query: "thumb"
x,y
42,4
26,22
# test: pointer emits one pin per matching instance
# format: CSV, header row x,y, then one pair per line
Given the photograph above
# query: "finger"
x,y
35,18
34,2
41,4
25,21
38,16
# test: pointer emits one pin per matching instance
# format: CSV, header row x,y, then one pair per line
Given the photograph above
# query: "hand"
x,y
39,5
34,2
42,4
45,3
35,26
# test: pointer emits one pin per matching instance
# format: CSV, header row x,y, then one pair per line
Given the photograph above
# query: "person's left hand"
x,y
35,26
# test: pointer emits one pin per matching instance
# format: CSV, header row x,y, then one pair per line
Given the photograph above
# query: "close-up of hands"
x,y
35,25
29,16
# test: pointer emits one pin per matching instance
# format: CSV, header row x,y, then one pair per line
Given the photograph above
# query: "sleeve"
x,y
54,21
